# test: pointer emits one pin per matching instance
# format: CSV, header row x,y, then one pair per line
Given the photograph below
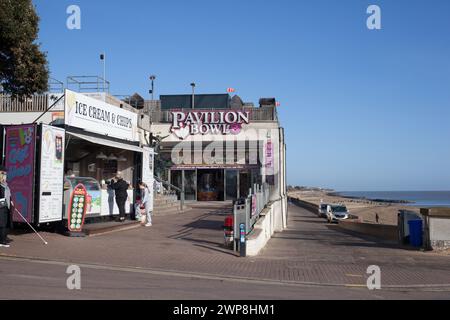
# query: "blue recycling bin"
x,y
415,232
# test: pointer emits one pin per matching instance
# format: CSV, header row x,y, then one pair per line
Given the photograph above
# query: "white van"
x,y
336,212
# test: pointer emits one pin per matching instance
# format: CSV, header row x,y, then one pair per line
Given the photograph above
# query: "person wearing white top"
x,y
146,202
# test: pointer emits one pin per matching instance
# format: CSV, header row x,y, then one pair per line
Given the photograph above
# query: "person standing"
x,y
5,208
120,187
146,198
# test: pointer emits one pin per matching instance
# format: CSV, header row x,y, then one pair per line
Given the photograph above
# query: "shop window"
x,y
110,168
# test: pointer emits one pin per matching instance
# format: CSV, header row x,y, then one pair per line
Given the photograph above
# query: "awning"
x,y
107,142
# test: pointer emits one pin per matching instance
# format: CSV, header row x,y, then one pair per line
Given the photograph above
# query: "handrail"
x,y
168,184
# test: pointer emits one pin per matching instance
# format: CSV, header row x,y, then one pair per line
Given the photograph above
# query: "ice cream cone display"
x,y
78,206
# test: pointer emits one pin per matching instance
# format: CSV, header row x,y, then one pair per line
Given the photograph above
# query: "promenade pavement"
x,y
309,253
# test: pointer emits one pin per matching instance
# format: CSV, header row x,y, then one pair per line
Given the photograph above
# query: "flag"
x,y
231,90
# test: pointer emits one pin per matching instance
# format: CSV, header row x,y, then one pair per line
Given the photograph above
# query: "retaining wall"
x,y
263,230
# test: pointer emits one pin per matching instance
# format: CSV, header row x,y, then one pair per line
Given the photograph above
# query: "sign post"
x,y
242,240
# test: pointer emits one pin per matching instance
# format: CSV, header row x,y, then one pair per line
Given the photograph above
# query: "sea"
x,y
415,198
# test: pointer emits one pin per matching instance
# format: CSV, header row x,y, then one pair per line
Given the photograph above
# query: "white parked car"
x,y
336,212
323,210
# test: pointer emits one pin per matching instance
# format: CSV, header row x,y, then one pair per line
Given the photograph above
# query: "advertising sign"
x,y
52,174
78,206
20,159
254,205
269,161
224,122
147,171
100,117
269,158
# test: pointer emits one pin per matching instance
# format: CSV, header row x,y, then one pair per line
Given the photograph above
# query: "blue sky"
x,y
362,109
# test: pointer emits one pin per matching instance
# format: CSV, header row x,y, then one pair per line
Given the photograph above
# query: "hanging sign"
x,y
77,210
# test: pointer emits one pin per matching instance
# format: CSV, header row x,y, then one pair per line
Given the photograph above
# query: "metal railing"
x,y
88,83
35,103
171,186
255,114
247,211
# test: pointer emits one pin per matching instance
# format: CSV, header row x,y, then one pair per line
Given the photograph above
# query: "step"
x,y
162,202
166,206
171,211
92,229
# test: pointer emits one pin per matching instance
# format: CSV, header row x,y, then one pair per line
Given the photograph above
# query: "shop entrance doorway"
x,y
210,185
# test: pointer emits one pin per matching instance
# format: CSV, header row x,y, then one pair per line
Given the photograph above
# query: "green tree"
x,y
23,67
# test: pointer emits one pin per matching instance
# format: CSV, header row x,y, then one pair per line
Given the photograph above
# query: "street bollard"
x,y
242,244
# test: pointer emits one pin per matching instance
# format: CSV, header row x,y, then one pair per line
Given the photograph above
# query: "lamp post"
x,y
103,58
152,78
193,95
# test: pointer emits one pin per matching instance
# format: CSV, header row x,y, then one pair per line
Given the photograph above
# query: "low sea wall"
x,y
381,231
314,208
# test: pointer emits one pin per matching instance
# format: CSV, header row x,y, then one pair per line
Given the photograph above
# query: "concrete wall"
x,y
263,231
439,232
306,205
381,231
437,228
8,118
386,232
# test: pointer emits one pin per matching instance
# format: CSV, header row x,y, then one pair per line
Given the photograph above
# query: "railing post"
x,y
182,190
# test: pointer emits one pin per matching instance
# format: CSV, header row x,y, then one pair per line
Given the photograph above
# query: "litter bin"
x,y
415,231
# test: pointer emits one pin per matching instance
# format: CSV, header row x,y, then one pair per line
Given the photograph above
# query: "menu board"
x,y
51,174
20,150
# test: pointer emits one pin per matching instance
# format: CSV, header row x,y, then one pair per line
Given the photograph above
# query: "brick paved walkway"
x,y
309,251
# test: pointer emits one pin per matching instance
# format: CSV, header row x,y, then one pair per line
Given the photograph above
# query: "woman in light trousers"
x,y
146,197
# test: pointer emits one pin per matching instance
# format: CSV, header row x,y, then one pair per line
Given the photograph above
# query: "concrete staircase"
x,y
167,204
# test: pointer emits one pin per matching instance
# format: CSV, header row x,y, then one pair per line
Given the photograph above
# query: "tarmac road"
x,y
37,280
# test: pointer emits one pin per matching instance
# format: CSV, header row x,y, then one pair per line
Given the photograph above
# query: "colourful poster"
x,y
20,158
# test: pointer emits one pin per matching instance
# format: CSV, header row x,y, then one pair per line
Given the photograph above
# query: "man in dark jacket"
x,y
5,208
120,187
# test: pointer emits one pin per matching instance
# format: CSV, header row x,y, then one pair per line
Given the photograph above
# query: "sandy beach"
x,y
363,208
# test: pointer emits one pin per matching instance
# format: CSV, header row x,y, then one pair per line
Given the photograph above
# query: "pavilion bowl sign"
x,y
227,122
